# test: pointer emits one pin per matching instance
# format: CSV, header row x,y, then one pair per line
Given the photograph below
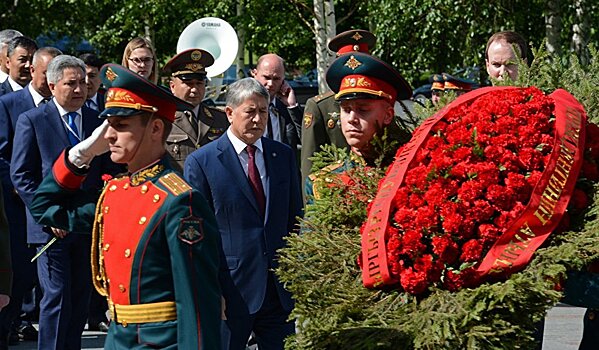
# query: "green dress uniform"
x,y
321,127
155,253
189,133
5,258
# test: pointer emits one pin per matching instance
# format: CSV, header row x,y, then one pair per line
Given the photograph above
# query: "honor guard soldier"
x,y
195,128
366,89
155,244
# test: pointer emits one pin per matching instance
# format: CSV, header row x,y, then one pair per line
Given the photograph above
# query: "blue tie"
x,y
73,133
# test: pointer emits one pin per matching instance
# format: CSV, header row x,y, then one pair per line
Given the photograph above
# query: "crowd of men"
x,y
179,206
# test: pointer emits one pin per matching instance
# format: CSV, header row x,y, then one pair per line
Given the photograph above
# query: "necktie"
x,y
254,177
72,131
91,104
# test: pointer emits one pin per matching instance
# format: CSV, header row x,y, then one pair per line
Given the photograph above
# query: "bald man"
x,y
284,112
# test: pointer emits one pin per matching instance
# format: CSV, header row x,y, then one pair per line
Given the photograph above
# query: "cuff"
x,y
294,106
66,174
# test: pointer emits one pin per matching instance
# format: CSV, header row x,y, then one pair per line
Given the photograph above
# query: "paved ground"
x,y
563,331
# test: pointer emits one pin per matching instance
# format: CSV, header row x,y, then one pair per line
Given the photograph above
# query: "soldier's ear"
x,y
389,115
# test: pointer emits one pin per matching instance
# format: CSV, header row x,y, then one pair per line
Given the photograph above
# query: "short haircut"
x,y
242,89
92,60
137,43
168,125
59,64
7,35
47,50
21,41
511,38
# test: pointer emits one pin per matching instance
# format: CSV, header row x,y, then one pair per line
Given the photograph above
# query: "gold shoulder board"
x,y
174,183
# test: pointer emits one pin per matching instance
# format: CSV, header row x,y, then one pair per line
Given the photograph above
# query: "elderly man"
x,y
20,54
155,242
6,36
252,185
366,89
502,53
284,113
40,136
192,129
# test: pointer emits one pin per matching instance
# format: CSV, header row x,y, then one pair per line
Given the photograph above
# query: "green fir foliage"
x,y
333,309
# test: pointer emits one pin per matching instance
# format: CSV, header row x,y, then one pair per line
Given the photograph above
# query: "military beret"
x,y
359,75
438,82
455,83
130,94
189,64
356,40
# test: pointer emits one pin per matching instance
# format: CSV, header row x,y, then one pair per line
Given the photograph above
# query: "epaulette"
x,y
209,110
323,96
174,183
326,170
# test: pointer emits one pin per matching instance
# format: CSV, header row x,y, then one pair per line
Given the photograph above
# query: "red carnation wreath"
x,y
477,190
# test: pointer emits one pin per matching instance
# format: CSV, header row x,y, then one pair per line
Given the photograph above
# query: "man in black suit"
x,y
284,112
36,93
20,54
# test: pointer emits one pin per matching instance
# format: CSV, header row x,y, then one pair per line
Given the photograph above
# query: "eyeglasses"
x,y
138,61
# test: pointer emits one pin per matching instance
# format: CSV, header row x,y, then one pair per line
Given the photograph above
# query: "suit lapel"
x,y
204,122
185,125
230,161
270,172
88,123
55,122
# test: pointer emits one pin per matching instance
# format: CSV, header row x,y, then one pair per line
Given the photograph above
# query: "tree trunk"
x,y
241,39
580,31
325,28
553,27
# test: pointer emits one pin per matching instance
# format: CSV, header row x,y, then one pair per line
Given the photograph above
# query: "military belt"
x,y
143,313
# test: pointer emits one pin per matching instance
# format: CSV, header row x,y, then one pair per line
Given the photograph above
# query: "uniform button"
x,y
126,186
112,188
144,189
142,220
106,246
127,253
106,210
122,288
156,198
124,323
591,315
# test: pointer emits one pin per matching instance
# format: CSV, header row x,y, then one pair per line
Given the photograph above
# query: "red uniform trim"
x,y
64,176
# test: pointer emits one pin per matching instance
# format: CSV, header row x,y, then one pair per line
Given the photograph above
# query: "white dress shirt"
x,y
37,98
15,86
244,157
3,76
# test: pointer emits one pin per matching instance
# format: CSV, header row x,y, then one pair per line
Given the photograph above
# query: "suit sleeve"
x,y
194,174
26,162
297,113
5,258
295,198
58,201
195,265
6,137
313,136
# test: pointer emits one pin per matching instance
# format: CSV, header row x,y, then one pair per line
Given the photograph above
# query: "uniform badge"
x,y
308,117
352,63
331,123
191,230
196,55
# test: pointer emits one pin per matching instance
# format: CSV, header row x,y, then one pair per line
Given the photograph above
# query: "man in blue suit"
x,y
95,96
252,185
12,105
20,54
41,134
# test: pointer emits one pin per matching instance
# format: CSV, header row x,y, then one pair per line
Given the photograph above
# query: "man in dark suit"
x,y
95,97
41,134
6,36
5,262
252,185
285,115
12,105
20,54
192,129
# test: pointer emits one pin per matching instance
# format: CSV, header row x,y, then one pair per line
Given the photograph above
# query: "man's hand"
x,y
287,95
59,233
83,153
4,300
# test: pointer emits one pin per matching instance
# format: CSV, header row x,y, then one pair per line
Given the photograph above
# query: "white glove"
x,y
82,153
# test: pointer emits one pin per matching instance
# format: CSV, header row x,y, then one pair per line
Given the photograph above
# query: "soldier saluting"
x,y
155,242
